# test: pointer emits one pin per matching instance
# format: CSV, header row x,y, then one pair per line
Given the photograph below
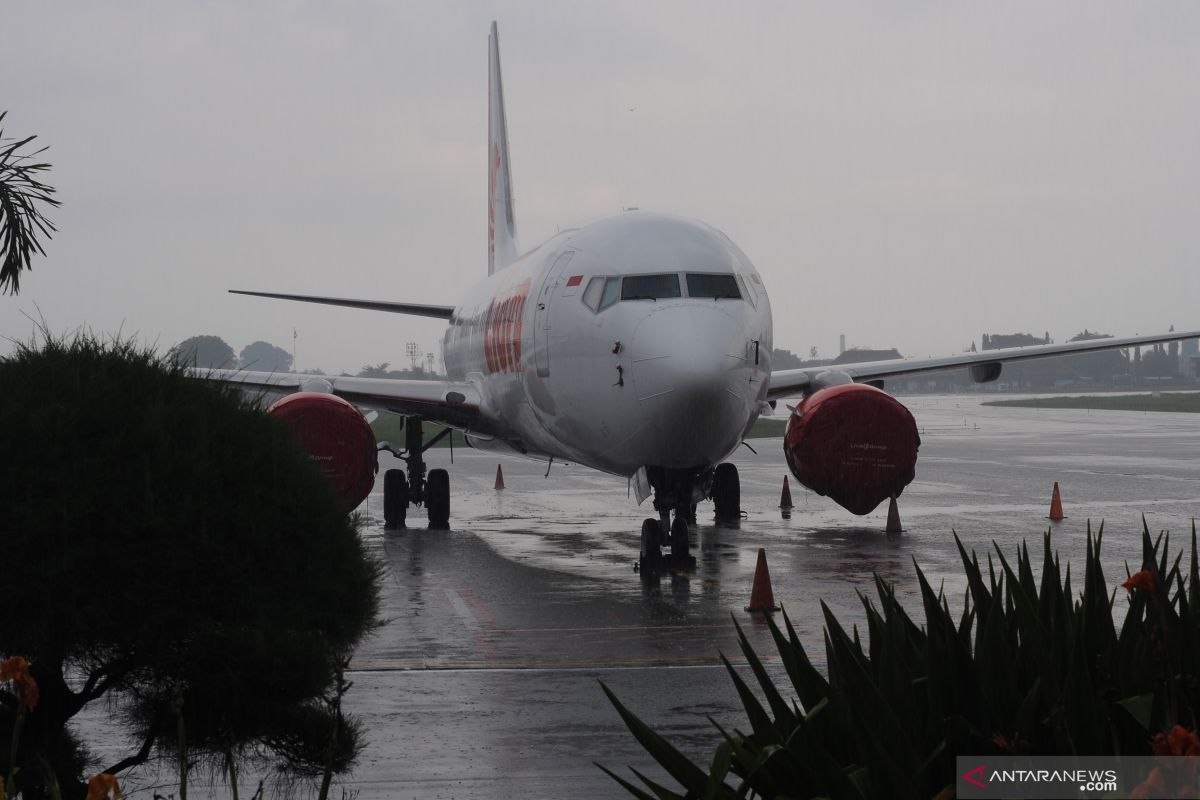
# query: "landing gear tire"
x,y
437,499
680,544
651,556
727,493
395,499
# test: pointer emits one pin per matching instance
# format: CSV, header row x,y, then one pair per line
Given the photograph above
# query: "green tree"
x,y
785,359
381,371
206,352
170,550
265,357
21,221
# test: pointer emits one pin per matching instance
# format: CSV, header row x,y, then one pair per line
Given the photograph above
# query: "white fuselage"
x,y
649,373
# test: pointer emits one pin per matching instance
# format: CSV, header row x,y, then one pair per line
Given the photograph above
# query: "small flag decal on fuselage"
x,y
574,280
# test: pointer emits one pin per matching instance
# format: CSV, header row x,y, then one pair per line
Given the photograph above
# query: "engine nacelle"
x,y
337,437
853,443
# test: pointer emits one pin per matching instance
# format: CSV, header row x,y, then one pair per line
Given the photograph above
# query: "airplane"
x,y
639,345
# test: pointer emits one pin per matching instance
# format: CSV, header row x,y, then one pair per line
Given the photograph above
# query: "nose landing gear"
x,y
675,493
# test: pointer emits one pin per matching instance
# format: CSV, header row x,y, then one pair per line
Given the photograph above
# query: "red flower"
x,y
104,787
999,740
1172,774
1179,742
1153,786
16,669
12,666
1140,580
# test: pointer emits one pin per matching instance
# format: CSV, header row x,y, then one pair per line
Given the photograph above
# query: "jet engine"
x,y
853,443
336,436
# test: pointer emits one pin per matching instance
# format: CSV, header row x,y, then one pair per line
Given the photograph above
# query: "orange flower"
x,y
16,669
1140,580
1153,786
104,787
12,666
1179,742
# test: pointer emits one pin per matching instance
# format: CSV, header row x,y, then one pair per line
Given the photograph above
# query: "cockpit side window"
x,y
650,287
601,292
612,291
591,295
716,286
746,293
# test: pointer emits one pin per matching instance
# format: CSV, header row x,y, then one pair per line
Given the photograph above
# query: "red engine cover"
x,y
337,437
854,443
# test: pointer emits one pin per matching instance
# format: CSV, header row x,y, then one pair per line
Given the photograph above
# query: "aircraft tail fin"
x,y
502,226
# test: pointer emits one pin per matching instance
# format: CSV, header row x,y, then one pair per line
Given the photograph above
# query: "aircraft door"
x,y
541,314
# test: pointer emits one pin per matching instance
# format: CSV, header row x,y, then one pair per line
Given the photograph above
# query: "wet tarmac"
x,y
484,681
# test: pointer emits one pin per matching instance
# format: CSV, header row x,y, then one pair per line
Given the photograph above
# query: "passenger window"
x,y
591,295
612,290
716,286
650,287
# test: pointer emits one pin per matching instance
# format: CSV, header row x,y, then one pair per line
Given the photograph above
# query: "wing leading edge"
x,y
416,309
790,382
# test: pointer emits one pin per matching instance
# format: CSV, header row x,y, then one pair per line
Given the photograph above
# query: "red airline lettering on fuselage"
x,y
502,326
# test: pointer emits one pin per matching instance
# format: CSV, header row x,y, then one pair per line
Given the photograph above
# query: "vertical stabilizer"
x,y
502,226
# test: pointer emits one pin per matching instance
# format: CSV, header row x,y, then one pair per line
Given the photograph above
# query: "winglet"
x,y
502,226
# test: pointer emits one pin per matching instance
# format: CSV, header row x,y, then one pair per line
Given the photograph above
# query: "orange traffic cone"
x,y
1056,512
761,596
893,521
499,477
785,499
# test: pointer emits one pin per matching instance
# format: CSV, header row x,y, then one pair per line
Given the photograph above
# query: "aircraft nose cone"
x,y
691,372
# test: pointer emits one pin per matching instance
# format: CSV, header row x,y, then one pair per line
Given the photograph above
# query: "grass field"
x,y
390,428
768,428
1172,401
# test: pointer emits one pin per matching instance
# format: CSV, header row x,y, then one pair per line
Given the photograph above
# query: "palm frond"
x,y
21,219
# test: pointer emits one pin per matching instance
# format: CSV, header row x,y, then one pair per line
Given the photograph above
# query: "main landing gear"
x,y
399,491
676,492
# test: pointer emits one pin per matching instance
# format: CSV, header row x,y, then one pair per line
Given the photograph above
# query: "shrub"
x,y
168,546
1026,668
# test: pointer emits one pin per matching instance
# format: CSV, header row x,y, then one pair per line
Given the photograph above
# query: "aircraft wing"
x,y
985,365
416,309
455,404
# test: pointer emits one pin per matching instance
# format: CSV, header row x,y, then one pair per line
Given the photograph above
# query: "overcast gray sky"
x,y
911,175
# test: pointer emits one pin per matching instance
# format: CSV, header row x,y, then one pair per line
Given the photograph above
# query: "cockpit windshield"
x,y
650,287
604,291
716,286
